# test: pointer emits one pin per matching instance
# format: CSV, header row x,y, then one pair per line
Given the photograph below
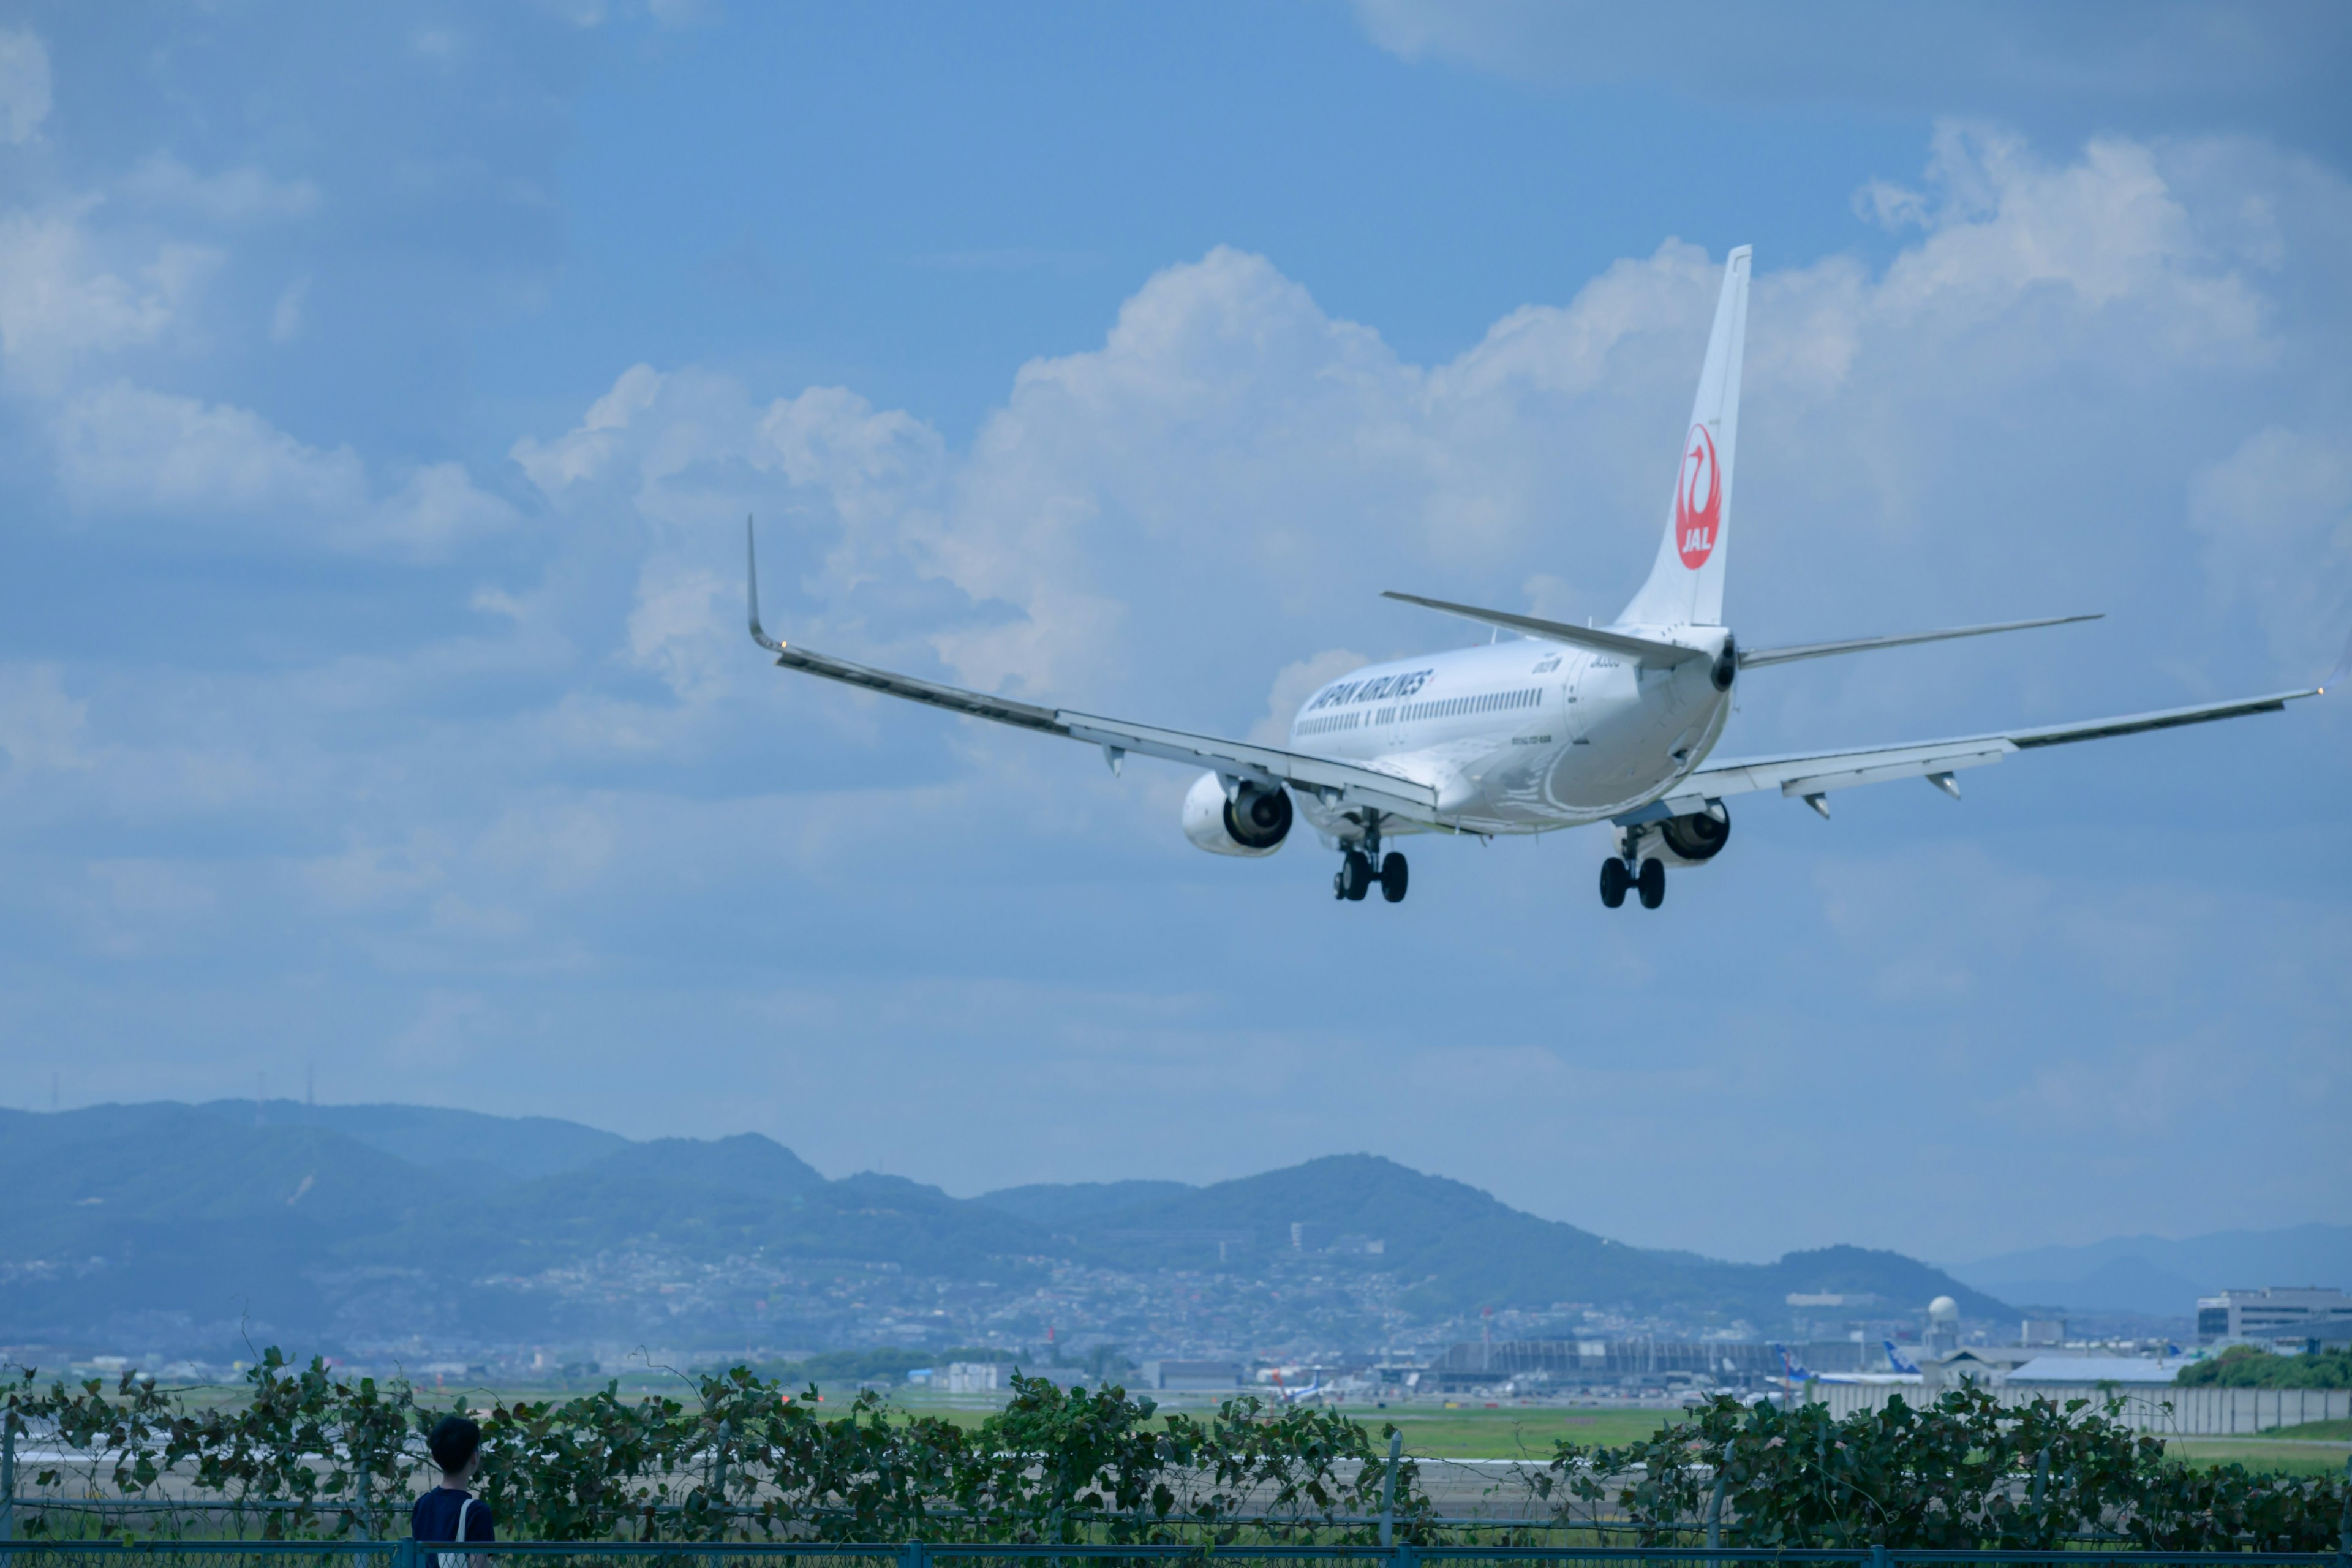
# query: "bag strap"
x,y
462,1512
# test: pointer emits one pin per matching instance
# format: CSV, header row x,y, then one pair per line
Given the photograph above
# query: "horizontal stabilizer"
x,y
1750,658
1634,650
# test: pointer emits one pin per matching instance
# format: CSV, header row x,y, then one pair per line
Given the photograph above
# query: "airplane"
x,y
1563,726
1288,1395
1903,1375
1898,1361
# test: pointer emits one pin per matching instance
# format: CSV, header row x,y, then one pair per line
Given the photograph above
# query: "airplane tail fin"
x,y
1897,1359
1686,585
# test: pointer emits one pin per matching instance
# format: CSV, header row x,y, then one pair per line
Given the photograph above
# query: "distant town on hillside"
x,y
182,1237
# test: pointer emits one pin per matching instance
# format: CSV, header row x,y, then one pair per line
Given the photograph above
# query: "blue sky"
x,y
381,391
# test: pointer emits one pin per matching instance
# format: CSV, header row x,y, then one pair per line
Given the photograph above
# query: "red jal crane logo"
x,y
1698,500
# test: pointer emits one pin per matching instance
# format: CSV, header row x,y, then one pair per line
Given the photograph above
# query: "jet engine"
x,y
1689,840
1251,821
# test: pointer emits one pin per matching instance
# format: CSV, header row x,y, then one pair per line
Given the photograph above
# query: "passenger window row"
x,y
1491,702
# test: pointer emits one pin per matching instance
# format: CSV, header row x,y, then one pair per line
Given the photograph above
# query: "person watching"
x,y
450,1512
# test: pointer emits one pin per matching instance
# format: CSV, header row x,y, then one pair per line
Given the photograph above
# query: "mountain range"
x,y
193,1227
2158,1276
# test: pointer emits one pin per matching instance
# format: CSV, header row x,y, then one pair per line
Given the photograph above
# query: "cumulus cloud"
x,y
24,84
1293,686
40,725
2008,52
2069,376
127,451
1226,482
244,194
2276,514
61,301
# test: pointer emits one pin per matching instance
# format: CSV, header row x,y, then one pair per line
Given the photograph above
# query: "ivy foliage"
x,y
736,1455
307,1453
2244,1366
1962,1472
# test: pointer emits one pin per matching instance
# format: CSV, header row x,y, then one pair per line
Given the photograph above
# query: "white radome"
x,y
1944,1310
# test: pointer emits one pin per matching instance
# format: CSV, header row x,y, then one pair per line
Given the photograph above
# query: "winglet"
x,y
751,588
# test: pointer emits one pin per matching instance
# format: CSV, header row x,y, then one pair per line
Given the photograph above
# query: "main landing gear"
x,y
1618,876
1356,874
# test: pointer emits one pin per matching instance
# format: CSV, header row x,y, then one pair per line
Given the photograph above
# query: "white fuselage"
x,y
1518,736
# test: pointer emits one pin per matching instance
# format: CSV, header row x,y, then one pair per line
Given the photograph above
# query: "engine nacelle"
x,y
1690,841
1253,822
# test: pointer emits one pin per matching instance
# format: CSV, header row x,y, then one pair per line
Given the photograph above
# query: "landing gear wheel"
x,y
1653,883
1354,878
1392,877
1614,880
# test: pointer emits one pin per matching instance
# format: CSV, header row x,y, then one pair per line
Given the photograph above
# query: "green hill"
x,y
178,1224
1461,1248
465,1144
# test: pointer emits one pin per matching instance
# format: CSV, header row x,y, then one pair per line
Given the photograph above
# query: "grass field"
x,y
1520,1433
2264,1452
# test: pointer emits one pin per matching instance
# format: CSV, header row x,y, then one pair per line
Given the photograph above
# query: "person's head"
x,y
456,1443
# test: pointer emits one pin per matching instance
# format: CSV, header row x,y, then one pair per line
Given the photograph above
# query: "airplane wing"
x,y
1811,775
1336,783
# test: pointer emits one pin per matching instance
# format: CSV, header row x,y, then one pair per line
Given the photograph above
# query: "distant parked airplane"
x,y
1568,725
1796,1372
1314,1390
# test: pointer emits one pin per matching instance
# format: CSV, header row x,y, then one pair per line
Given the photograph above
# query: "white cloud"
x,y
1229,478
1295,684
125,450
2277,515
60,302
24,84
675,631
40,726
244,194
286,316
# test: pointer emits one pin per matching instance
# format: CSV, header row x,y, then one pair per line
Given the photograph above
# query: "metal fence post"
x,y
1878,1558
1406,1555
1388,1490
914,1554
719,1481
1714,1500
7,1480
2344,1534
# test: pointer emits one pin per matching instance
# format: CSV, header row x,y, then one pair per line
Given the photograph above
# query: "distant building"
x,y
996,1376
2092,1372
2043,1331
978,1376
1942,1336
1984,1365
1199,1377
2279,1313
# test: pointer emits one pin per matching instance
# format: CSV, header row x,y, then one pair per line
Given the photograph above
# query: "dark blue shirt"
x,y
434,1517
